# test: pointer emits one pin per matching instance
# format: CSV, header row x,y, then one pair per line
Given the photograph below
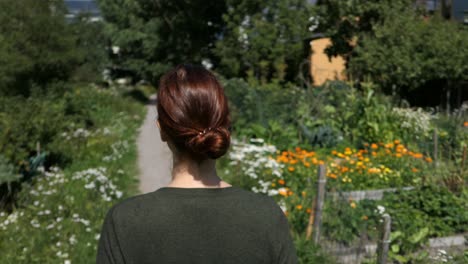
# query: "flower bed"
x,y
290,178
59,213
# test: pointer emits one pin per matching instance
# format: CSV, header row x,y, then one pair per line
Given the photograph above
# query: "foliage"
x,y
407,51
290,177
153,36
25,122
415,122
264,40
59,212
7,171
36,47
426,212
44,118
8,177
349,114
396,44
381,165
264,111
309,252
91,44
345,22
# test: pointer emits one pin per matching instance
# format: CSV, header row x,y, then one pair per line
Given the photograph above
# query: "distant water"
x,y
78,6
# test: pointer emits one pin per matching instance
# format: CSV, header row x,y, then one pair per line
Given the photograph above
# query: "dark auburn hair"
x,y
193,112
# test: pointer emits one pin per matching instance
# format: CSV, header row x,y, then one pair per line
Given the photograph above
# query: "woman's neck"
x,y
187,173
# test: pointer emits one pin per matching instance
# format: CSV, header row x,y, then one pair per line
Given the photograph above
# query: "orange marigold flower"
x,y
291,169
396,141
273,184
334,152
299,207
398,155
332,175
353,205
281,181
348,151
290,193
374,146
304,193
283,192
418,155
374,153
307,164
365,217
414,170
298,149
308,210
429,159
465,124
294,161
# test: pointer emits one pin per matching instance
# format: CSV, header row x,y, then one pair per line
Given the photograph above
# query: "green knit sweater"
x,y
196,225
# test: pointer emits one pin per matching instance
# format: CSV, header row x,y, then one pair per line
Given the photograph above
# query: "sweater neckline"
x,y
198,191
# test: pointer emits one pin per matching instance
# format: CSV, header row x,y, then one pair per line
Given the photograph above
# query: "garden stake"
x,y
319,202
463,160
435,147
382,247
311,221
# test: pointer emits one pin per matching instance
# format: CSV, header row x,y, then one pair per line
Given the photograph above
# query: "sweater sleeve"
x,y
109,251
286,250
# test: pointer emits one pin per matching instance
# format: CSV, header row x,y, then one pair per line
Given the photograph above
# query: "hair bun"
x,y
212,143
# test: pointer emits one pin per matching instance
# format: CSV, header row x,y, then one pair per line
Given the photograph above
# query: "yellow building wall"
x,y
321,68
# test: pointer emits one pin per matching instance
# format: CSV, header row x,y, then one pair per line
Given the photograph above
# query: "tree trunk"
x,y
446,9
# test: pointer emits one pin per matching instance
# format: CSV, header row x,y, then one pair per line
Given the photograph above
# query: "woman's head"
x,y
193,112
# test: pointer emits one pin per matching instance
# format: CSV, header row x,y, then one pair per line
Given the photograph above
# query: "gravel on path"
x,y
154,156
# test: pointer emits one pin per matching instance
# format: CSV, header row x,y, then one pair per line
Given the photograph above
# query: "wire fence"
x,y
365,247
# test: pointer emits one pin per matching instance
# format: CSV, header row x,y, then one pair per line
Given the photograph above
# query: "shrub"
x,y
264,111
59,212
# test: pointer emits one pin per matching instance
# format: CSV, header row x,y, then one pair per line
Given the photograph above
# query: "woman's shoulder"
x,y
133,206
130,205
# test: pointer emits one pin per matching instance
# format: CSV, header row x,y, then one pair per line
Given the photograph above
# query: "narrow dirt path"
x,y
154,157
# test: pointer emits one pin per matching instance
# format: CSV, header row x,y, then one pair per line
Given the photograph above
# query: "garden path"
x,y
154,157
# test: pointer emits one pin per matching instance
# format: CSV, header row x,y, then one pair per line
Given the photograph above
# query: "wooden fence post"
x,y
319,202
436,155
38,148
384,242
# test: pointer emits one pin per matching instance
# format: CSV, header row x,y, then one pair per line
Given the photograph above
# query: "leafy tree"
x,y
155,35
347,21
91,45
396,44
264,40
407,51
36,46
